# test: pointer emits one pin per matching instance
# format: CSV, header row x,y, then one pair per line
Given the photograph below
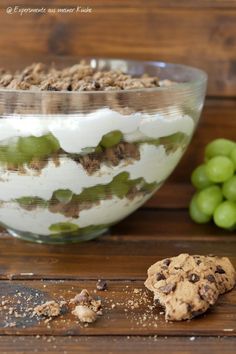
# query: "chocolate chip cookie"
x,y
188,285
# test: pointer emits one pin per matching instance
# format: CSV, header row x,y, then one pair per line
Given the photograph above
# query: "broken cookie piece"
x,y
188,285
84,314
49,309
87,308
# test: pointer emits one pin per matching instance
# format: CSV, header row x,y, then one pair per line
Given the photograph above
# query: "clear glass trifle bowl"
x,y
73,163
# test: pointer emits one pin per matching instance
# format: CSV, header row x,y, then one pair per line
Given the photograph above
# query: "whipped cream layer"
x,y
154,166
77,132
38,221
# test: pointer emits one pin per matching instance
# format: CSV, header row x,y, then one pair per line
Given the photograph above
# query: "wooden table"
x,y
200,33
160,229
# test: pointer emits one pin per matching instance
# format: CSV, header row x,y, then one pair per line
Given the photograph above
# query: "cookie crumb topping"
x,y
79,77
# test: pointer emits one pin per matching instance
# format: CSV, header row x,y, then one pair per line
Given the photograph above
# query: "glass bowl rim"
x,y
201,79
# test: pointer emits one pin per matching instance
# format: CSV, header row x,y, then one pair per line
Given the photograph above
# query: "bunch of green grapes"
x,y
215,181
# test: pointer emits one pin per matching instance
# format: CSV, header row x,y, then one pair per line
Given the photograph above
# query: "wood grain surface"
x,y
116,345
123,311
199,33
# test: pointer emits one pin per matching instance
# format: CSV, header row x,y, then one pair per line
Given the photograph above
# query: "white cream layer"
x,y
154,166
38,221
77,132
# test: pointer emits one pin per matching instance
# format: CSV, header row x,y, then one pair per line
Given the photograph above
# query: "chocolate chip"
x,y
160,276
51,88
96,85
211,278
167,262
168,288
198,262
219,270
164,267
101,285
178,268
193,278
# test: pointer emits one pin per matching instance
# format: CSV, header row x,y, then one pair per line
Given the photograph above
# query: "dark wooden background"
x,y
201,33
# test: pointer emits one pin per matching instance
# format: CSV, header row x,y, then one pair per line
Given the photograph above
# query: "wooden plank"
x,y
127,3
132,247
116,345
125,312
148,34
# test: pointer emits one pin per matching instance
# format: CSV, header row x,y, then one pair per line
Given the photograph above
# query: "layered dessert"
x,y
67,172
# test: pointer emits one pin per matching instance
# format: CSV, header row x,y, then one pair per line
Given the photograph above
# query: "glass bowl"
x,y
74,163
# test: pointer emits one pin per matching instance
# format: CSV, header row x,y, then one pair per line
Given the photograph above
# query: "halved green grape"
x,y
93,194
208,199
225,215
98,149
233,157
219,169
14,156
35,146
175,138
229,189
111,139
199,178
31,202
63,195
62,227
3,156
120,189
149,187
170,142
196,214
219,147
119,186
54,143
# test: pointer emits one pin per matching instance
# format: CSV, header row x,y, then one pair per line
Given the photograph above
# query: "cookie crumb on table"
x,y
84,314
101,285
48,309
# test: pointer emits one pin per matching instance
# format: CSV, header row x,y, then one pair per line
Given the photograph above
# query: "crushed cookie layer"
x,y
79,77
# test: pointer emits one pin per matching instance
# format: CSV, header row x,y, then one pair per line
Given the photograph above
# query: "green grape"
x,y
54,144
208,199
3,153
219,147
233,157
111,139
119,186
149,187
35,146
199,178
195,212
120,189
14,156
28,202
64,227
219,169
95,193
229,189
121,177
63,195
98,149
225,215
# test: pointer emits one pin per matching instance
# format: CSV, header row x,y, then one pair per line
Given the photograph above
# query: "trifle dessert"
x,y
84,146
